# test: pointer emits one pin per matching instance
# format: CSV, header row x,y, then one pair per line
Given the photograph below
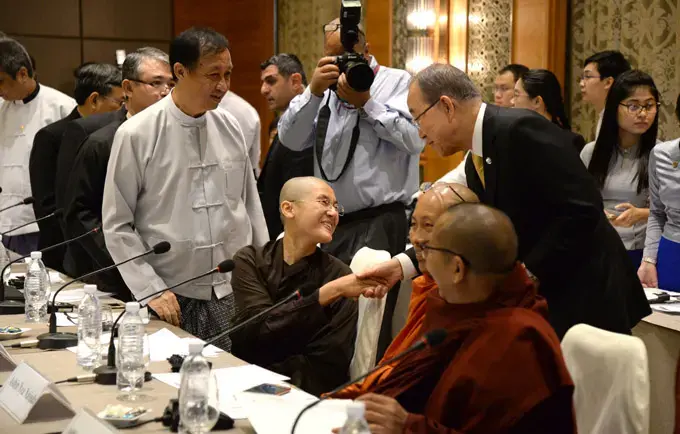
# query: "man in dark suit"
x,y
525,166
97,90
146,80
283,78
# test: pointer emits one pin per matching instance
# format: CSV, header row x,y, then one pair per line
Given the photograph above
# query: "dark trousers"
x,y
22,244
380,228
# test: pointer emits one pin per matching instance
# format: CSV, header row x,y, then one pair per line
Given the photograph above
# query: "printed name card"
x,y
7,363
26,394
87,422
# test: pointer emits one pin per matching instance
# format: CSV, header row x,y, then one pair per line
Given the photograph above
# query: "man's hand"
x,y
325,74
167,308
389,272
384,414
648,276
630,216
346,93
347,286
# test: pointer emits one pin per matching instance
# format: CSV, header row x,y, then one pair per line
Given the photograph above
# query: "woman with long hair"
x,y
661,262
619,158
540,91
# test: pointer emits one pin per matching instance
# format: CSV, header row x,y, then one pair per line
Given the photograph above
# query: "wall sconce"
x,y
427,30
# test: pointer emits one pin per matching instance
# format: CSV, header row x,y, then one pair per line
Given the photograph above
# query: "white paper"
x,y
164,344
276,414
55,278
75,295
21,391
7,363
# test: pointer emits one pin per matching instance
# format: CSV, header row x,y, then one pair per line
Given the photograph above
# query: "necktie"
x,y
479,167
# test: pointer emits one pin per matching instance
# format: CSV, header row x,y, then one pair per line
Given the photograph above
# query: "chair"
x,y
611,378
371,311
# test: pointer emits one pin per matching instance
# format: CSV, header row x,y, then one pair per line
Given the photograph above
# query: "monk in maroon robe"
x,y
500,368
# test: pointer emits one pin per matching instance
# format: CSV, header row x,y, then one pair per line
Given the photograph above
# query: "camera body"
x,y
355,67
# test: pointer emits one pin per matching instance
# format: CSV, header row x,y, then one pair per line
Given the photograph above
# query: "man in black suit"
x,y
97,90
283,78
146,79
525,166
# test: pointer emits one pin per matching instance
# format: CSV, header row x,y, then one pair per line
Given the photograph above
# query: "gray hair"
x,y
442,79
133,61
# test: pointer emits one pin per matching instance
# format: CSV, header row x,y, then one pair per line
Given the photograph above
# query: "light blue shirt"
x,y
385,165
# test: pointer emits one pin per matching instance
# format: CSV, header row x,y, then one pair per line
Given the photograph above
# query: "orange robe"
x,y
499,370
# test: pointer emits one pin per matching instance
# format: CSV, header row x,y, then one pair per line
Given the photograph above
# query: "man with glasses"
x,y
310,340
97,90
146,80
599,73
26,106
504,85
179,172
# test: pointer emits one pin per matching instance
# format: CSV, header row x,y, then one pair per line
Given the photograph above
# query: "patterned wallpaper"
x,y
489,39
646,32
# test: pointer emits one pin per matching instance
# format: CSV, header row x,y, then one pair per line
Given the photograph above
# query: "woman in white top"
x,y
619,158
661,262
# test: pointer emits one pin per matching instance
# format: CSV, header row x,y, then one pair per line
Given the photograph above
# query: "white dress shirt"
x,y
172,177
249,121
19,121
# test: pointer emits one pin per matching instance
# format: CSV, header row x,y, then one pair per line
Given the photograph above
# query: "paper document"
x,y
165,343
75,295
671,306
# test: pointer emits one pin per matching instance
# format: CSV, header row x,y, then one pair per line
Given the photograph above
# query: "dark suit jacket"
x,y
83,199
42,167
533,175
280,165
75,135
578,141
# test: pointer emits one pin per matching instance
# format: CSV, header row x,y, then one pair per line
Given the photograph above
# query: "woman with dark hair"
x,y
619,159
661,262
540,91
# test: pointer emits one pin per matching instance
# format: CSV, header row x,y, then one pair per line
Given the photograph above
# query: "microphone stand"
x,y
56,213
13,307
107,374
56,341
27,201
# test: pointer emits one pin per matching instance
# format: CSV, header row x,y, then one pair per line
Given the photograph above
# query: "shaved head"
x,y
449,194
484,236
309,210
297,188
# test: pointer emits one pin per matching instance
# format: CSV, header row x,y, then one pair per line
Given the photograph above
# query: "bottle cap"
x,y
132,307
195,346
356,409
90,289
36,255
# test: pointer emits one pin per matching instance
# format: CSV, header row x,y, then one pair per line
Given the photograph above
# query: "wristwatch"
x,y
649,260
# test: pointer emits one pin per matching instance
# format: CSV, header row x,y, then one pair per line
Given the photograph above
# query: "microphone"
x,y
107,374
12,307
57,213
430,339
28,201
56,341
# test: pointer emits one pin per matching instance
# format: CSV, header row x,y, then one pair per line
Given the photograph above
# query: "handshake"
x,y
371,283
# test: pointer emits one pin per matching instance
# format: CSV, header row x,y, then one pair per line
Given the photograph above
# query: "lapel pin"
x,y
675,164
488,160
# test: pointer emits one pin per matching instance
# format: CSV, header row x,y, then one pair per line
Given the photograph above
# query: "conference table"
x,y
61,364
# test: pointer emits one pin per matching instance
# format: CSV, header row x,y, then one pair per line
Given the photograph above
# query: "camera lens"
x,y
359,76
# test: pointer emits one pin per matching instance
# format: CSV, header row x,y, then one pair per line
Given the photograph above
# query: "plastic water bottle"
x,y
36,289
197,407
130,352
89,329
356,422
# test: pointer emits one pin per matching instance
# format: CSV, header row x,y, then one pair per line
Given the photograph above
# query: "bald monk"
x,y
500,368
310,340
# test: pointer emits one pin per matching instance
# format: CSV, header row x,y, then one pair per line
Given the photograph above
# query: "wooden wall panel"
x,y
249,26
56,59
378,25
99,50
40,17
128,19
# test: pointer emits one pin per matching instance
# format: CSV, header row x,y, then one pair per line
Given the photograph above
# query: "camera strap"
x,y
321,130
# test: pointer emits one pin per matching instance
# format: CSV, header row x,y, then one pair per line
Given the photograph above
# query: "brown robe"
x,y
308,342
499,370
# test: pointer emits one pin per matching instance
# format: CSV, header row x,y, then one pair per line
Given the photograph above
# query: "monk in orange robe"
x,y
500,368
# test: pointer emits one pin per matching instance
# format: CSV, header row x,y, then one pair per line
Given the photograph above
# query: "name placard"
x,y
7,363
86,422
26,394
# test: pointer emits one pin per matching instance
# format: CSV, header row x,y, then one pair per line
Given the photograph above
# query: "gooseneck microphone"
x,y
12,307
107,374
54,340
57,213
430,339
28,201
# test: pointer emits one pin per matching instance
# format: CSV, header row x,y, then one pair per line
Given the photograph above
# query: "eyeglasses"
x,y
425,186
327,204
416,121
427,247
118,102
158,84
517,94
634,109
585,77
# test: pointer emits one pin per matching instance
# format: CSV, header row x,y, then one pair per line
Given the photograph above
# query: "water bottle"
x,y
36,289
197,407
130,352
356,422
89,329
